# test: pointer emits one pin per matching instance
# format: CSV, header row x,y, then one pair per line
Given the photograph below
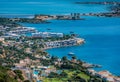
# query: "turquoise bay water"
x,y
102,35
46,7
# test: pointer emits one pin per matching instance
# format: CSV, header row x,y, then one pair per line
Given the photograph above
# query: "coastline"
x,y
77,41
94,22
97,50
83,58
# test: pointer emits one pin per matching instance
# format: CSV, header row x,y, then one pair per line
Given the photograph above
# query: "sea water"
x,y
101,34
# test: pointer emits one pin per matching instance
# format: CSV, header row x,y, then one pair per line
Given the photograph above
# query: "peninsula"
x,y
27,60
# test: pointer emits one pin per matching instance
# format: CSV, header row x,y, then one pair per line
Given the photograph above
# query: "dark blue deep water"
x,y
102,35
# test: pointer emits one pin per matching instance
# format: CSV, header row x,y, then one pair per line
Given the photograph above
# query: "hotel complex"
x,y
47,35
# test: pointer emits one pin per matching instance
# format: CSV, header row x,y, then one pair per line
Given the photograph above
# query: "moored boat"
x,y
71,53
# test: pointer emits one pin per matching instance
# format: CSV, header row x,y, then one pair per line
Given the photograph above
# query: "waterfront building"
x,y
2,39
10,35
107,76
44,17
92,72
47,35
62,43
3,27
21,30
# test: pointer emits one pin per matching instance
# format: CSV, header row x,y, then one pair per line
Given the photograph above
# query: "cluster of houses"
x,y
26,65
47,34
2,39
20,30
72,16
15,32
31,69
3,28
23,66
44,17
42,71
62,43
23,63
10,35
105,75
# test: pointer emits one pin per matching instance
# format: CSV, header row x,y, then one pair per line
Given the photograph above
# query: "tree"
x,y
76,78
1,33
40,72
19,74
95,80
4,75
64,58
80,61
63,74
53,75
2,79
26,81
0,43
54,58
73,57
18,71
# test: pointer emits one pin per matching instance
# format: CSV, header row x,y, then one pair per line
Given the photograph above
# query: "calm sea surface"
x,y
102,35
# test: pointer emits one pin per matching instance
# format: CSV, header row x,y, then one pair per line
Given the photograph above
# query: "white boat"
x,y
71,53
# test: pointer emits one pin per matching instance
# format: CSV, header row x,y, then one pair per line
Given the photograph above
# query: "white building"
x,y
106,75
2,39
47,34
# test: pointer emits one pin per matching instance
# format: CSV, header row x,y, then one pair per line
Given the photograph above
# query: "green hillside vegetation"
x,y
7,75
4,76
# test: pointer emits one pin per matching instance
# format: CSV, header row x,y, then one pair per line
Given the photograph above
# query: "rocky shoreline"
x,y
100,3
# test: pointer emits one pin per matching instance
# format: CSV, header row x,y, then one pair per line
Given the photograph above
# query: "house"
x,y
91,71
106,75
2,39
23,63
